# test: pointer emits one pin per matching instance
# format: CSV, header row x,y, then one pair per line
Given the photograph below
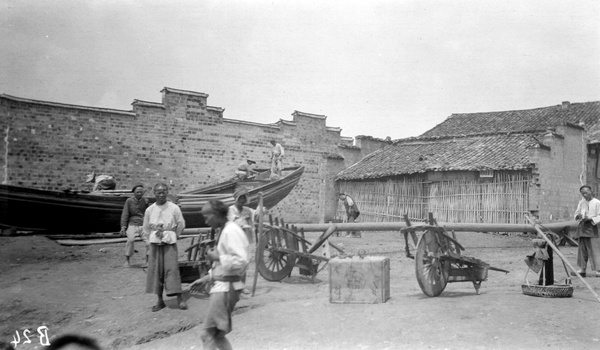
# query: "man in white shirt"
x,y
277,153
230,259
163,223
588,215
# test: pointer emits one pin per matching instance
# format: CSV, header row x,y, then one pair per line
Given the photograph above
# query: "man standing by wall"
x,y
352,213
588,215
132,219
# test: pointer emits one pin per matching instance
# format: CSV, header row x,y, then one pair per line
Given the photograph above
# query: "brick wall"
x,y
181,141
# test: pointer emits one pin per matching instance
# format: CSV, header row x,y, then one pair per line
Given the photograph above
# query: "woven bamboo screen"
x,y
381,201
501,200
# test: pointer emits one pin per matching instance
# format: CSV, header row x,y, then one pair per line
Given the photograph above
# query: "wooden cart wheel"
x,y
273,264
432,273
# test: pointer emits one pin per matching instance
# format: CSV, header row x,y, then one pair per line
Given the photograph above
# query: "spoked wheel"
x,y
432,273
274,264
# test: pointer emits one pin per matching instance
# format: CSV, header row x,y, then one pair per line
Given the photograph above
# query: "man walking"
x,y
230,259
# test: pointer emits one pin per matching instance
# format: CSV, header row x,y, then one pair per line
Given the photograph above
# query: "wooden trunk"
x,y
359,280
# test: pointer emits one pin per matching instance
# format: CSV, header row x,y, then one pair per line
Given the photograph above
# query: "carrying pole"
x,y
260,233
549,241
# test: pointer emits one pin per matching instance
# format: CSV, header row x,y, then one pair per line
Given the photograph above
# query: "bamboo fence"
x,y
503,199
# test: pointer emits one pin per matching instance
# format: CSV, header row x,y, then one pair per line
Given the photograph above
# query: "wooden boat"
x,y
67,212
191,202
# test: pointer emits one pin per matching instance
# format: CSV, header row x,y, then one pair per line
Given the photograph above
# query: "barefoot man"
x,y
163,223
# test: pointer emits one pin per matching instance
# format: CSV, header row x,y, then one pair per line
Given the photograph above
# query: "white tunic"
x,y
169,217
234,253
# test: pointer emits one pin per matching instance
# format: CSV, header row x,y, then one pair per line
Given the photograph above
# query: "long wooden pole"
x,y
396,226
449,226
260,232
549,241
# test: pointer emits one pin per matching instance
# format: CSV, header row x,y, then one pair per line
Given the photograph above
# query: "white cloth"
x,y
351,202
234,255
169,217
589,209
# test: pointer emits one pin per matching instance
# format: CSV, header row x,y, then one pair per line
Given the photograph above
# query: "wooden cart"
x,y
196,265
438,259
282,247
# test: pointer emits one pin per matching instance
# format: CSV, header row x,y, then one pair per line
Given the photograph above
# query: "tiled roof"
x,y
593,134
417,155
529,120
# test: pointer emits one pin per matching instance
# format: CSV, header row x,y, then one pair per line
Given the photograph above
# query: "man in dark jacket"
x,y
132,219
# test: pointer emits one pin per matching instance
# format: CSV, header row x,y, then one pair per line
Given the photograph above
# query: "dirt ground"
x,y
85,289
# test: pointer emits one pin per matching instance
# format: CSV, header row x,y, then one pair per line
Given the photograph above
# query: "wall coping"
x,y
287,122
335,156
244,122
310,115
66,105
541,146
137,102
184,92
333,128
349,147
215,109
372,138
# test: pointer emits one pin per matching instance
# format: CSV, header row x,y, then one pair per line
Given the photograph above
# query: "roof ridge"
x,y
497,133
68,105
525,109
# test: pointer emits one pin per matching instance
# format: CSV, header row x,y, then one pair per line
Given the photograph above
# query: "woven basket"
x,y
553,291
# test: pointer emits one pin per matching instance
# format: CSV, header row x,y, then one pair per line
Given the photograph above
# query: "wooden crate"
x,y
359,280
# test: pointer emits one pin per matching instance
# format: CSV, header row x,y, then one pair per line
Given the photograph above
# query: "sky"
x,y
377,68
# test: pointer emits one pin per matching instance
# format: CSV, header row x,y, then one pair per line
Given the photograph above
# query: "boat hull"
x,y
36,210
30,209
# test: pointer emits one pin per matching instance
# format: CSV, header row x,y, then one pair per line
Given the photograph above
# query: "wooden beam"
x,y
465,227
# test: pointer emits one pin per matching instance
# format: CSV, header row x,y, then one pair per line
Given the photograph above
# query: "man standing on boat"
x,y
277,154
352,213
163,223
132,220
230,259
244,170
